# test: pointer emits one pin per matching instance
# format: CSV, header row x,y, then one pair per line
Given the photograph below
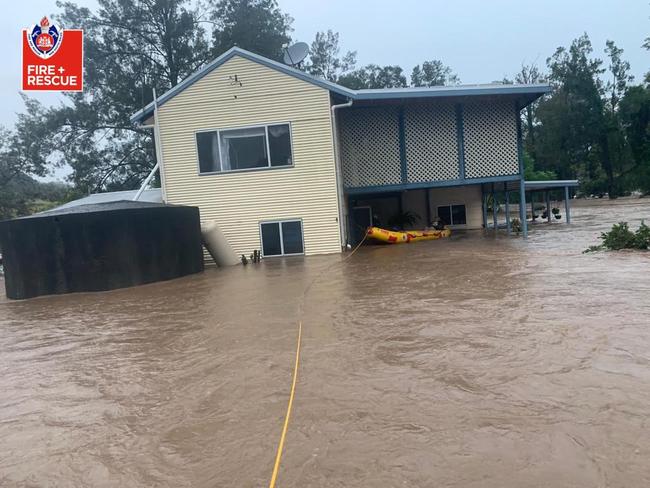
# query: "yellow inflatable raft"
x,y
393,237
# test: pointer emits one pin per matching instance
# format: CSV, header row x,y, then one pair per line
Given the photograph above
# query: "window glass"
x,y
280,145
271,239
458,214
452,214
247,148
292,237
243,148
444,214
208,149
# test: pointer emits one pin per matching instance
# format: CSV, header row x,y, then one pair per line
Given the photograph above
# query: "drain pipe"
x,y
145,183
159,154
343,209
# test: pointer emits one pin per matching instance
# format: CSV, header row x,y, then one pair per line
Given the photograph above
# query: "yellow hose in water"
x,y
278,456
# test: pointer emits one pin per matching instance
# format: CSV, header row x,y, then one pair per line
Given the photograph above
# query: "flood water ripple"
x,y
477,361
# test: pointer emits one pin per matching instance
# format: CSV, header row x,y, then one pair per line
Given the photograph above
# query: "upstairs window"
x,y
453,214
244,149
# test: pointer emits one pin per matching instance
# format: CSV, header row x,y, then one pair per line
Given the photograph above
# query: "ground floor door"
x,y
361,219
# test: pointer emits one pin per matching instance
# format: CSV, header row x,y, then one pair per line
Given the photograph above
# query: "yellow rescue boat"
x,y
393,237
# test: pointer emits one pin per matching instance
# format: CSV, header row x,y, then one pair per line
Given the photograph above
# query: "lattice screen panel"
x,y
431,142
370,146
490,137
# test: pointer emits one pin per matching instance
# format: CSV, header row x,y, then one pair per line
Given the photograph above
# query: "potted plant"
x,y
556,213
401,220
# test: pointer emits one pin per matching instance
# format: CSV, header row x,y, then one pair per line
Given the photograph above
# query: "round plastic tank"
x,y
99,247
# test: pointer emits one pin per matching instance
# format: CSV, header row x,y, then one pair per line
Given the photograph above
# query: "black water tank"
x,y
99,247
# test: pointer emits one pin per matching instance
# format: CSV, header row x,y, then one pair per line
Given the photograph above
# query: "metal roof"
x,y
542,185
534,90
153,195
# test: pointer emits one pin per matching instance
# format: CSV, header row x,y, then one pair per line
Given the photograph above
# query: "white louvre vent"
x,y
370,146
431,142
490,138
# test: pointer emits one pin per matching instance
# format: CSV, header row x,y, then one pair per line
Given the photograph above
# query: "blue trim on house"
x,y
359,190
460,139
402,146
532,90
452,91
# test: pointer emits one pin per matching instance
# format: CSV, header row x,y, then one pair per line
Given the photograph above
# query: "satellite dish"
x,y
294,55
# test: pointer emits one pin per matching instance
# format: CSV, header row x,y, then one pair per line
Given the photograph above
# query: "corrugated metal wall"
x,y
238,201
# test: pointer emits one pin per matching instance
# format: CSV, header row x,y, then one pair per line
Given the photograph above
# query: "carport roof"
x,y
543,185
529,91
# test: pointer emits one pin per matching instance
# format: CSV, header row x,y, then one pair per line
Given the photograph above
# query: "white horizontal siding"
x,y
239,201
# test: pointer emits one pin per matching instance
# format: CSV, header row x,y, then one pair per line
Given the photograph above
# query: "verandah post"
x,y
522,207
567,205
485,218
505,187
494,208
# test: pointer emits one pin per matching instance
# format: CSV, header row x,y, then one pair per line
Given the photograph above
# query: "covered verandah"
x,y
494,193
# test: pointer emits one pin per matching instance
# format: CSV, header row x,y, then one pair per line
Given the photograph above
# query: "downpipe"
x,y
343,209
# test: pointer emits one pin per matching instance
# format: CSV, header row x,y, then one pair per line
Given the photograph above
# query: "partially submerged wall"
x,y
99,247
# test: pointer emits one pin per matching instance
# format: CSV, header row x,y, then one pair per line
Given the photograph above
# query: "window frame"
x,y
451,213
279,222
243,170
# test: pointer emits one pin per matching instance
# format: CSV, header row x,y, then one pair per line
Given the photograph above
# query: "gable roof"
x,y
533,91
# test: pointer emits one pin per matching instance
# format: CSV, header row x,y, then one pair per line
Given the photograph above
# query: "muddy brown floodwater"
x,y
470,362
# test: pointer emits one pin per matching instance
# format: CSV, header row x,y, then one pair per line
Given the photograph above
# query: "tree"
x,y
374,76
19,193
634,113
572,122
130,47
433,73
324,60
620,72
530,74
255,25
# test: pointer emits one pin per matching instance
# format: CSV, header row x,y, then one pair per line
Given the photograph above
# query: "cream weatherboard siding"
x,y
239,201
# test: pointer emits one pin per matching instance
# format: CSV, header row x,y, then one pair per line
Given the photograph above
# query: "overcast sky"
x,y
481,40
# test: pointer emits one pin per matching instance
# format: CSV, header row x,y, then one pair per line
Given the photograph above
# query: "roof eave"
x,y
235,51
526,90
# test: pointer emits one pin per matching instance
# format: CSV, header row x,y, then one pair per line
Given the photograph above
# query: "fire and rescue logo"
x,y
49,63
45,39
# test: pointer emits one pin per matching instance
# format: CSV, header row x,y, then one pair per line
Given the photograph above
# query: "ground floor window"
x,y
452,214
281,238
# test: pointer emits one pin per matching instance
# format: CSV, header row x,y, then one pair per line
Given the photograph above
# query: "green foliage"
x,y
401,220
324,60
255,25
374,76
531,174
621,237
433,73
634,111
642,236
